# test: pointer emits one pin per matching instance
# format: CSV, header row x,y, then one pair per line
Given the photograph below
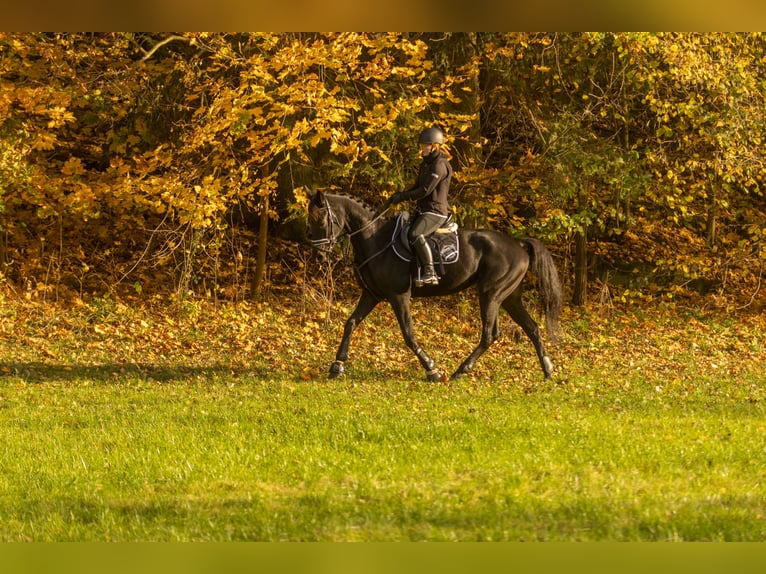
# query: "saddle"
x,y
443,243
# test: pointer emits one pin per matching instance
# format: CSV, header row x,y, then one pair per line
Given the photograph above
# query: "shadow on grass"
x,y
36,372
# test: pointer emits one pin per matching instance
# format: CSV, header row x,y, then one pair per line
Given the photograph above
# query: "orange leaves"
x,y
58,117
200,207
73,166
44,141
183,135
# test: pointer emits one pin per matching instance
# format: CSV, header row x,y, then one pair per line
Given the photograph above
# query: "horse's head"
x,y
323,223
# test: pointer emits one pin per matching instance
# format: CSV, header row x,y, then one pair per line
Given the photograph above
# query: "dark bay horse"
x,y
492,262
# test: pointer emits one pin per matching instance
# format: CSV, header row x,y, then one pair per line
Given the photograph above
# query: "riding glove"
x,y
399,197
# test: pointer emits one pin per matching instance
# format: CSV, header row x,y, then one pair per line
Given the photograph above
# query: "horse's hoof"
x,y
435,376
548,367
457,375
336,369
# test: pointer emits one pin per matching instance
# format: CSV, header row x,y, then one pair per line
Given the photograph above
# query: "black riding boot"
x,y
426,260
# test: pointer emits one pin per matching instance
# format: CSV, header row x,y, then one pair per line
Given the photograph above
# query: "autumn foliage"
x,y
137,163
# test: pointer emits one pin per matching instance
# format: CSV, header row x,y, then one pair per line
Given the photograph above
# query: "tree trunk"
x,y
710,226
580,291
263,237
580,268
712,213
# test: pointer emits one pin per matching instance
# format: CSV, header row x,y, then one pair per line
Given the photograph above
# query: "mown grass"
x,y
128,424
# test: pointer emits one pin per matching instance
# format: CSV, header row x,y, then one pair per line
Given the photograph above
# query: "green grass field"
x,y
123,423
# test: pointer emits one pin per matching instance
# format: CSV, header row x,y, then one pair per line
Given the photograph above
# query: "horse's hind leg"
x,y
490,331
519,314
366,303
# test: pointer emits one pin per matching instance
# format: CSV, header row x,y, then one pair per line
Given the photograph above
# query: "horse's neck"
x,y
357,216
364,225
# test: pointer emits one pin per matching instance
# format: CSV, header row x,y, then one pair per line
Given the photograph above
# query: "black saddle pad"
x,y
443,243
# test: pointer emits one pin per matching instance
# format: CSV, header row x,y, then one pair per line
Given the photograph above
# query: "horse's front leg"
x,y
366,303
401,307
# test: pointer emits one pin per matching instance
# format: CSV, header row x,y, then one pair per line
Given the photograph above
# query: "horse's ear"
x,y
317,197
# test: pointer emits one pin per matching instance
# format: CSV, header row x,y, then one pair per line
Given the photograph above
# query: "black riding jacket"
x,y
432,188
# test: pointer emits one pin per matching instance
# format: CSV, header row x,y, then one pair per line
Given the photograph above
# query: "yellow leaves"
x,y
380,153
28,99
350,150
380,117
59,116
200,208
73,167
44,141
334,113
415,52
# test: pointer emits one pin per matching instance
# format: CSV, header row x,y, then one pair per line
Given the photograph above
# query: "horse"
x,y
492,262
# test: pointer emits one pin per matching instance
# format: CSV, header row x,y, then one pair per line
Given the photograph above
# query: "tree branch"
x,y
159,45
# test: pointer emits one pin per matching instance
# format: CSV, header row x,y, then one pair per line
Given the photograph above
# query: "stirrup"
x,y
429,279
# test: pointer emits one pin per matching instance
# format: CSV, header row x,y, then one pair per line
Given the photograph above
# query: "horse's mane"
x,y
362,203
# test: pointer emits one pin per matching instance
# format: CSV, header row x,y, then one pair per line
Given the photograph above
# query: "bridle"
x,y
326,244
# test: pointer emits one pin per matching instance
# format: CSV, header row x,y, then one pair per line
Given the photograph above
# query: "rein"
x,y
370,223
377,253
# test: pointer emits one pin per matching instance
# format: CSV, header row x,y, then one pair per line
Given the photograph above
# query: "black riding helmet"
x,y
431,136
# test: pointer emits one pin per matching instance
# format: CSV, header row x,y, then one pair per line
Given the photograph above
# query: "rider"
x,y
431,193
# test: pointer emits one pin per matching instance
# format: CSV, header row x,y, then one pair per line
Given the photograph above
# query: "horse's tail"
x,y
548,283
